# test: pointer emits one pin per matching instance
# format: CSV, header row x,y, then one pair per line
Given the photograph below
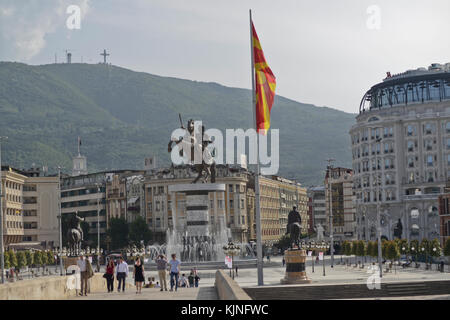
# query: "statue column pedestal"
x,y
295,267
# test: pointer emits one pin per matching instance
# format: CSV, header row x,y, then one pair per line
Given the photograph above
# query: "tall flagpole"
x,y
259,256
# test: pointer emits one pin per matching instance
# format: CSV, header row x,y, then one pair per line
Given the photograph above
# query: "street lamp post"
x,y
98,229
1,214
60,222
331,210
231,250
380,263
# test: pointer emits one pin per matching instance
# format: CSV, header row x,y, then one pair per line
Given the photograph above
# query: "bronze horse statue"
x,y
192,144
75,237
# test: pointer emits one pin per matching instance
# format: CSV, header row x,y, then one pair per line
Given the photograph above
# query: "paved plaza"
x,y
340,274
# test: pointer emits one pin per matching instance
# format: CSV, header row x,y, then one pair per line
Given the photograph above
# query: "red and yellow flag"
x,y
265,86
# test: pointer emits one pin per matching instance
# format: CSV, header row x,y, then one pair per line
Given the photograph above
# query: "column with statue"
x,y
295,256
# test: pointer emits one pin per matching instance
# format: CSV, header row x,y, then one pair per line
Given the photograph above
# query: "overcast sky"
x,y
326,52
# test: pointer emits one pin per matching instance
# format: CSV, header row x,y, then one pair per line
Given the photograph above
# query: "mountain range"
x,y
123,116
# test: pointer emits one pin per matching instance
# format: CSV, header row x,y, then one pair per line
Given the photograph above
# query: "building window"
x,y
447,127
411,146
429,161
428,144
411,130
429,128
230,188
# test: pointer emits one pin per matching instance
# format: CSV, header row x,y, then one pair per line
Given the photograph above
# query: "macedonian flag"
x,y
265,86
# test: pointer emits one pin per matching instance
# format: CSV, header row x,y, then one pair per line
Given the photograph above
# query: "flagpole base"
x,y
295,267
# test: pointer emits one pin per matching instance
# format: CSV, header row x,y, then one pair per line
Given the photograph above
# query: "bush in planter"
x,y
354,246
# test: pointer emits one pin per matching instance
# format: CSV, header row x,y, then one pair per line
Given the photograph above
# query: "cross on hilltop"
x,y
104,54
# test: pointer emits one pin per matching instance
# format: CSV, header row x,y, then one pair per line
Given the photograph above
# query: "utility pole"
x,y
1,214
330,166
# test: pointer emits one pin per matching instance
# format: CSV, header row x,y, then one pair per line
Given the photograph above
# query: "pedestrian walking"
x,y
161,266
284,261
109,275
196,279
191,279
174,272
236,268
138,275
121,274
81,262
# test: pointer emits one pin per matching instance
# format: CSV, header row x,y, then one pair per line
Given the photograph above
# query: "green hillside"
x,y
123,116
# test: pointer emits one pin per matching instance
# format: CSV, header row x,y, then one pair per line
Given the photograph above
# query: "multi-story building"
x,y
86,195
342,204
226,208
41,209
401,153
116,197
234,208
317,207
277,198
135,197
102,192
30,208
12,205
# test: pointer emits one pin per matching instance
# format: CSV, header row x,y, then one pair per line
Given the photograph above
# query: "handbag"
x,y
105,276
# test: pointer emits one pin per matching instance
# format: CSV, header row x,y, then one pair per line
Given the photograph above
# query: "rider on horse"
x,y
78,227
294,219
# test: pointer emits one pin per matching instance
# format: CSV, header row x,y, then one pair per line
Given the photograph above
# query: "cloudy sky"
x,y
325,52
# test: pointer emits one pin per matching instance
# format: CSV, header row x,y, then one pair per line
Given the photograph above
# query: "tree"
x,y
346,249
424,249
392,252
361,250
37,258
435,249
138,230
7,260
384,246
21,259
414,249
50,257
447,248
44,258
12,259
29,258
118,233
403,246
355,250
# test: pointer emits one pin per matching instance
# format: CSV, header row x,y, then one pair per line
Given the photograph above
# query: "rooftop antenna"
x,y
104,54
